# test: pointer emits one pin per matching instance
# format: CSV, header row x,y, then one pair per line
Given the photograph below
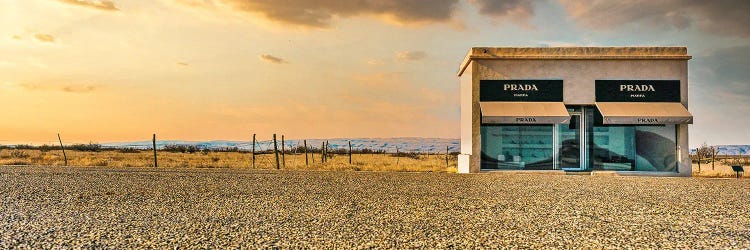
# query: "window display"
x,y
517,147
608,147
632,147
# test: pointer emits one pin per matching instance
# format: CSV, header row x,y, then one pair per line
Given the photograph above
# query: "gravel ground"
x,y
193,208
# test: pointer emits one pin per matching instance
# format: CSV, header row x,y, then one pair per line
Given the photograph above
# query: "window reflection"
x,y
612,148
632,147
569,151
517,147
606,147
656,148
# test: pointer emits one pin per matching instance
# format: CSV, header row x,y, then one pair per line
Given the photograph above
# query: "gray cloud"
x,y
727,17
319,13
94,4
720,93
727,71
44,38
411,55
518,11
273,59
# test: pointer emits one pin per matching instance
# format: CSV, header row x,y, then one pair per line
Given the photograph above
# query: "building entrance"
x,y
572,138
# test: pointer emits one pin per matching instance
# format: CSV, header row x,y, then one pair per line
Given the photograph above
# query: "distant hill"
x,y
404,144
730,150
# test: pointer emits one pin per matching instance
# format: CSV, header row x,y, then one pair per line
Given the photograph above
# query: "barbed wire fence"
x,y
362,153
358,154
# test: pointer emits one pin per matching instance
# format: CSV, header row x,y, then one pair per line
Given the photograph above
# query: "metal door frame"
x,y
582,147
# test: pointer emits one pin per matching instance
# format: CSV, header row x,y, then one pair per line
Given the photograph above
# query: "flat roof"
x,y
574,53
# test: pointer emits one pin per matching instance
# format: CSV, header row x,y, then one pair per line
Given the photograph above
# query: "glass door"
x,y
571,138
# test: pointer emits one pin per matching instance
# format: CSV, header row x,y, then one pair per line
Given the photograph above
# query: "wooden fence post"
x,y
276,152
397,157
253,150
698,155
63,149
713,157
446,156
323,152
156,163
306,160
283,157
350,152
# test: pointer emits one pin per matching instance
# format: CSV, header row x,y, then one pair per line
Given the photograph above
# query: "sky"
x,y
106,71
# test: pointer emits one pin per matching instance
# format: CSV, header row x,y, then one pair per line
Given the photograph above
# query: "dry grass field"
x,y
721,166
720,170
243,160
239,160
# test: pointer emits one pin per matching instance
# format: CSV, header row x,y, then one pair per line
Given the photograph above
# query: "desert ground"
x,y
96,207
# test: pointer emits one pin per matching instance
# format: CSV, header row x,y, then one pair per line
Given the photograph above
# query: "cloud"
x,y
16,37
719,96
198,3
184,64
58,86
94,4
411,55
273,59
517,11
374,62
727,17
44,38
320,13
78,88
726,71
553,43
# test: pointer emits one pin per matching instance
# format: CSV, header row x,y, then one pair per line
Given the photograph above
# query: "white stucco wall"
x,y
466,100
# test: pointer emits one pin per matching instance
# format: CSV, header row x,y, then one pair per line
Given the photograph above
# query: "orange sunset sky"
x,y
107,71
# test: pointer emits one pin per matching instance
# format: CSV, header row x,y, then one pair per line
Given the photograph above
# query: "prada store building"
x,y
620,110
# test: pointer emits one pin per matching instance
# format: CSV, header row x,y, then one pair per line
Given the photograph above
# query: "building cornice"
x,y
574,53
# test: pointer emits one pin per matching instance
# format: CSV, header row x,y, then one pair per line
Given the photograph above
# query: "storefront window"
x,y
613,148
656,148
605,147
632,147
517,147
